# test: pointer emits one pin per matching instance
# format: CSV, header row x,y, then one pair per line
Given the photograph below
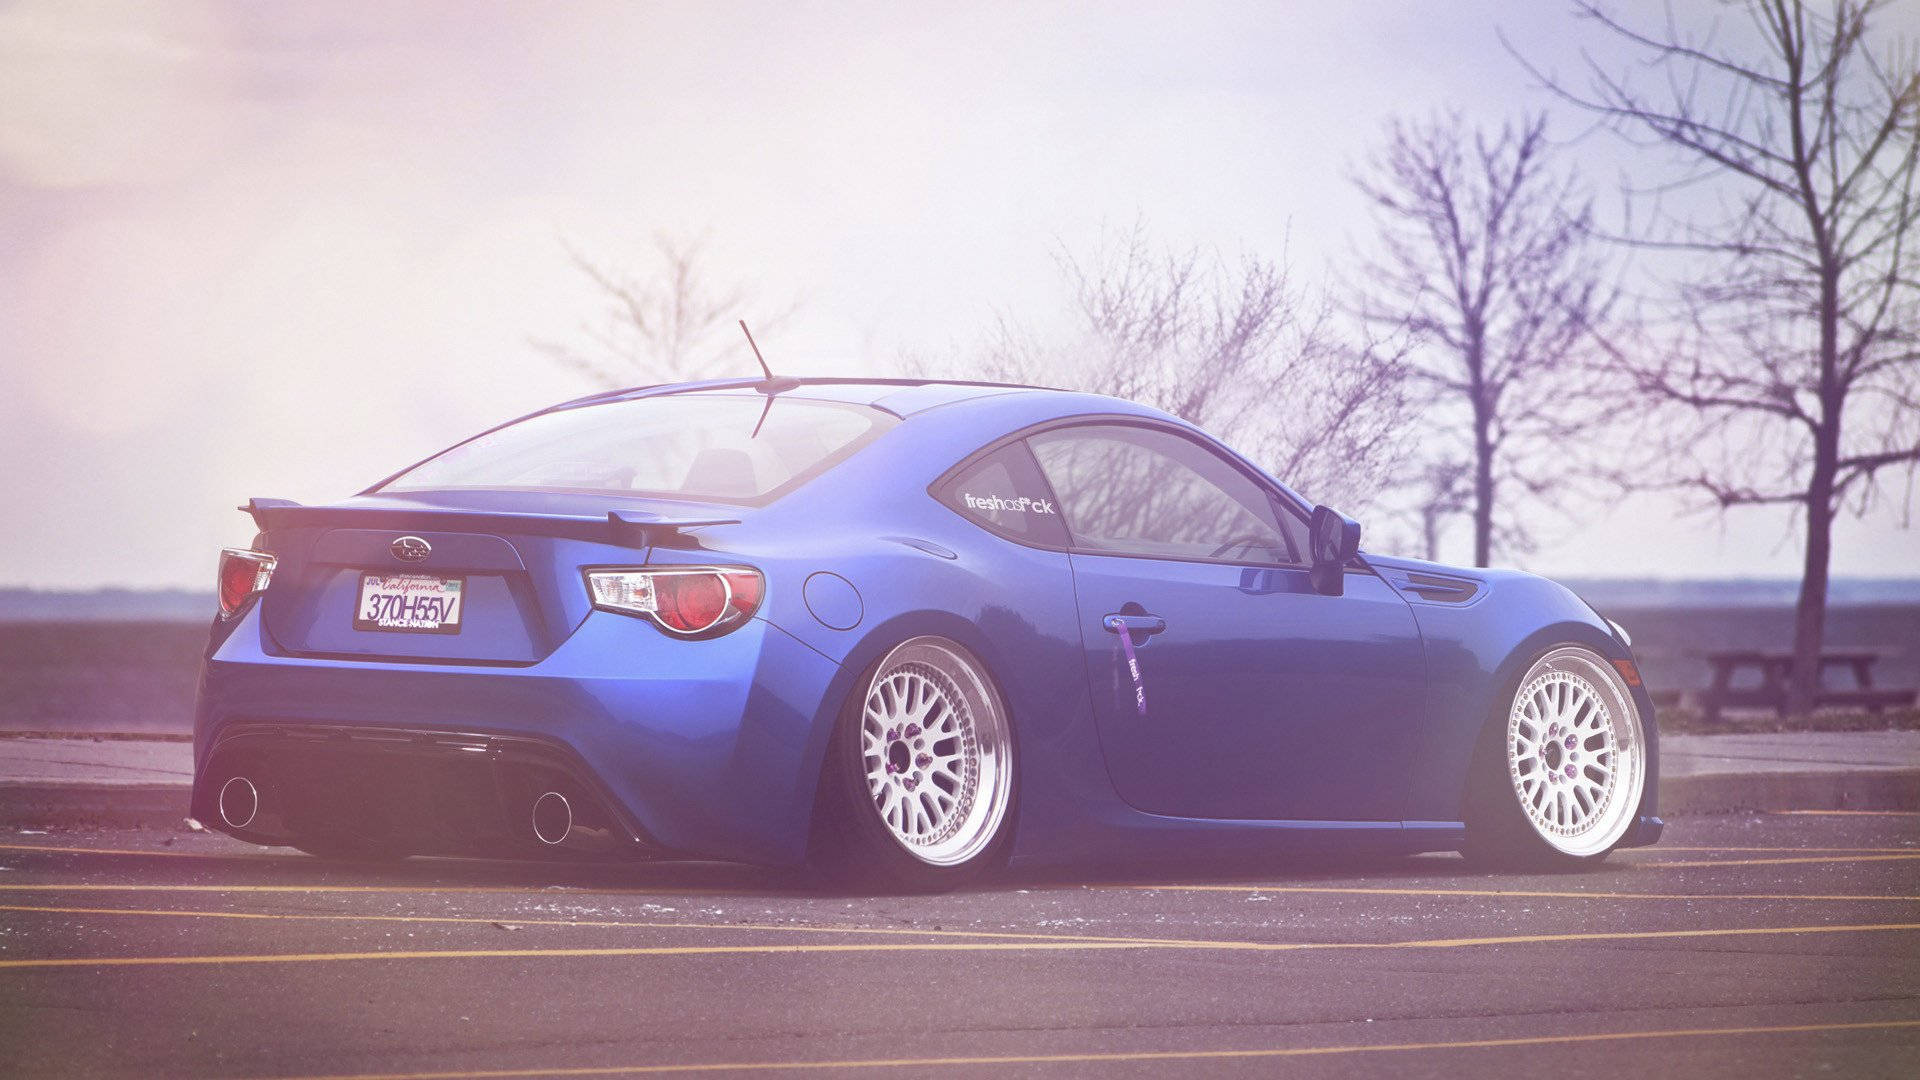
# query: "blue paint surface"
x,y
833,600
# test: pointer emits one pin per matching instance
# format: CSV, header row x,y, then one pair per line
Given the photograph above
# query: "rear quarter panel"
x,y
919,568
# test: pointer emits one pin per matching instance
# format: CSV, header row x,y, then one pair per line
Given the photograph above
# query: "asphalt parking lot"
x,y
1750,945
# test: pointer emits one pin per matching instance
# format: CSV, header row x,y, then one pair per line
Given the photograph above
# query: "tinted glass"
x,y
699,446
1144,491
1003,492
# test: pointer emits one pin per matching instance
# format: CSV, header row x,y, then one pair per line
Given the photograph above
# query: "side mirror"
x,y
1336,539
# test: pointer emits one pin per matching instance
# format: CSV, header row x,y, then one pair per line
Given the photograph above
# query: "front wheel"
x,y
1563,784
918,788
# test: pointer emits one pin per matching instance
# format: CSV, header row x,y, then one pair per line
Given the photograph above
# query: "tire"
x,y
917,791
1559,773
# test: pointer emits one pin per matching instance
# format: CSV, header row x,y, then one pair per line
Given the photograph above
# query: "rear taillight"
x,y
687,600
242,574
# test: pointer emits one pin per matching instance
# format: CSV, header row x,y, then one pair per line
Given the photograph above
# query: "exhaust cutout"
x,y
552,818
239,802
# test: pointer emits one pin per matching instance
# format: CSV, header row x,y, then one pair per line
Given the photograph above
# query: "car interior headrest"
x,y
720,470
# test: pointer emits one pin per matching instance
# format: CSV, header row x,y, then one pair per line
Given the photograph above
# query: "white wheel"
x,y
1576,754
936,752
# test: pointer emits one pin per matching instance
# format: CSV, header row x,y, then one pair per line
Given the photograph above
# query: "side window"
x,y
1144,491
1003,493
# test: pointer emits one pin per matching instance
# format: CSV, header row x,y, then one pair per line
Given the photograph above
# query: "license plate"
x,y
411,603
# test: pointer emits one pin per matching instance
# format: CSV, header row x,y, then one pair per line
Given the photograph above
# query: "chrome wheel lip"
x,y
936,752
1576,752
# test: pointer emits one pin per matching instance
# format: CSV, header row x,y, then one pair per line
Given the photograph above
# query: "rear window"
x,y
709,447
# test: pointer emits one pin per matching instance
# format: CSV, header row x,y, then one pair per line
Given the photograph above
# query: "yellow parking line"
x,y
1527,894
1850,813
573,953
924,947
1148,1055
1783,848
600,924
1649,864
1639,935
530,890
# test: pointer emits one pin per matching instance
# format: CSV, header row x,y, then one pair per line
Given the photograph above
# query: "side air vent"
x,y
1437,589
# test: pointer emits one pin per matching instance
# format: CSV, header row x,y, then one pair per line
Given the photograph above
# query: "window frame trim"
x,y
1283,500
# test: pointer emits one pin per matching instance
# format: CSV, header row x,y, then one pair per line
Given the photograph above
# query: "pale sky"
x,y
280,250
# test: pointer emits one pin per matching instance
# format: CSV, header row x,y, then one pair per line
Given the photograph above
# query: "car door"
x,y
1263,699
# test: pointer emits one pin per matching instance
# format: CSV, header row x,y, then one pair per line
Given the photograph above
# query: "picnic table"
x,y
1776,670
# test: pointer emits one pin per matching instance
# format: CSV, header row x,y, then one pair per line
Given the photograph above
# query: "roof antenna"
x,y
751,344
769,387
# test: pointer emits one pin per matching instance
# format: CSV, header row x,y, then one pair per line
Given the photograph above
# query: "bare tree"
x,y
1794,354
1442,493
1485,254
671,323
1237,348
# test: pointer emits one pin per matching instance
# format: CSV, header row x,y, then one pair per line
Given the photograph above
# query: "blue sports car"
x,y
906,631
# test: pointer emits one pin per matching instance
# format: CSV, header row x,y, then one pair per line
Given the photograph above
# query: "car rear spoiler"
x,y
627,528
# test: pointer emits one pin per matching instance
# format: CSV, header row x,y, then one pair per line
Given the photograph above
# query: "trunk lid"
x,y
517,555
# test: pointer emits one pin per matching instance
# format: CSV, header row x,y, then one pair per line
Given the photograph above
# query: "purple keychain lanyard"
x,y
1133,663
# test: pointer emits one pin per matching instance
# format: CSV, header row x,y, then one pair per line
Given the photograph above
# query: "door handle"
x,y
1145,625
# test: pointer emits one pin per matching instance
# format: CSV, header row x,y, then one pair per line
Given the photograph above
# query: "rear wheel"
x,y
918,789
1559,776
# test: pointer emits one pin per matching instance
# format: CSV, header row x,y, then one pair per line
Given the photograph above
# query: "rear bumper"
x,y
708,748
428,792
